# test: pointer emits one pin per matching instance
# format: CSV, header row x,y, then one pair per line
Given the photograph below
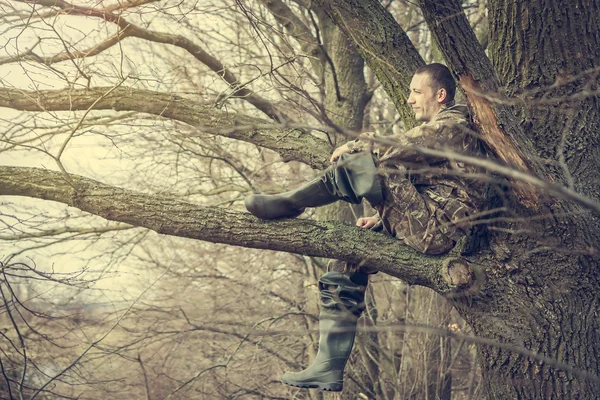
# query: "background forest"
x,y
202,102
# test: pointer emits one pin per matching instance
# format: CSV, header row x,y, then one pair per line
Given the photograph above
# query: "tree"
x,y
532,294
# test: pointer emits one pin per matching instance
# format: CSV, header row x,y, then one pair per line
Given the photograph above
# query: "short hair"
x,y
440,78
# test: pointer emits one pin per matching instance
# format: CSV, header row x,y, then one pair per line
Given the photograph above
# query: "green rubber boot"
x,y
351,179
342,302
289,204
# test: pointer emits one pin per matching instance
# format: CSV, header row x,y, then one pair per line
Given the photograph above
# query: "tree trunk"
x,y
556,73
539,303
439,376
555,44
345,101
557,323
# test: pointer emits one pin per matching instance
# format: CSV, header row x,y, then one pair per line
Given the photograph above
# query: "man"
x,y
427,202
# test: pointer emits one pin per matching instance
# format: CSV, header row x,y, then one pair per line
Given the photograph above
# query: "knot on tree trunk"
x,y
457,273
464,278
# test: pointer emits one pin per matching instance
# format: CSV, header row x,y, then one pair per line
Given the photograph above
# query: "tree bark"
x,y
552,65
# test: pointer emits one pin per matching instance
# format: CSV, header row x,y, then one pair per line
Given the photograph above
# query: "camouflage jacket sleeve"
x,y
448,130
377,144
366,141
437,136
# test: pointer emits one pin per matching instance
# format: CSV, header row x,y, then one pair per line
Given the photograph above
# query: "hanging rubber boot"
x,y
350,179
342,302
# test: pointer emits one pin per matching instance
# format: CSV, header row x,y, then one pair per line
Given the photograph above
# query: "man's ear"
x,y
442,96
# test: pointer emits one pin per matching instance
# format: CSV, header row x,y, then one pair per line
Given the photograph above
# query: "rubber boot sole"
x,y
330,387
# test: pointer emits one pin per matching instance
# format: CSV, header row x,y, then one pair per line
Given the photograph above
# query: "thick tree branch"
x,y
382,43
291,144
124,5
170,216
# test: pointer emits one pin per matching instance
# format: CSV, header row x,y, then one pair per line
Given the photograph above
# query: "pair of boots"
x,y
351,179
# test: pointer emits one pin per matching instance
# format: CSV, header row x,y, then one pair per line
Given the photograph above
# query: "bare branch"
x,y
97,341
128,29
29,55
146,385
74,130
291,144
173,217
299,31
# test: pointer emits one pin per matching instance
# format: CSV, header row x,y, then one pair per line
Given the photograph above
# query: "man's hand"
x,y
367,222
338,152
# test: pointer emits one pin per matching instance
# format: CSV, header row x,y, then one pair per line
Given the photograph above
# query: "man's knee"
x,y
436,245
353,178
349,268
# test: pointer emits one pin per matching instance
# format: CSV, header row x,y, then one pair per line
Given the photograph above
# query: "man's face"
x,y
425,101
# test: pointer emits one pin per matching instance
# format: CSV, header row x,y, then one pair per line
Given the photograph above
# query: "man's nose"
x,y
411,100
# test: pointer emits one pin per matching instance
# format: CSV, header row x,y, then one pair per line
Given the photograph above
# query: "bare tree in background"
x,y
205,112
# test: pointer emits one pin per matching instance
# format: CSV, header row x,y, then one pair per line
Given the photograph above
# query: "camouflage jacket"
x,y
439,196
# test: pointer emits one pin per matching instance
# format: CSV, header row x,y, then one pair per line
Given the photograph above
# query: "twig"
x,y
64,145
146,385
93,344
21,341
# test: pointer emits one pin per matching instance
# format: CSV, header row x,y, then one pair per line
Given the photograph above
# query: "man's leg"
x,y
408,215
351,179
342,291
